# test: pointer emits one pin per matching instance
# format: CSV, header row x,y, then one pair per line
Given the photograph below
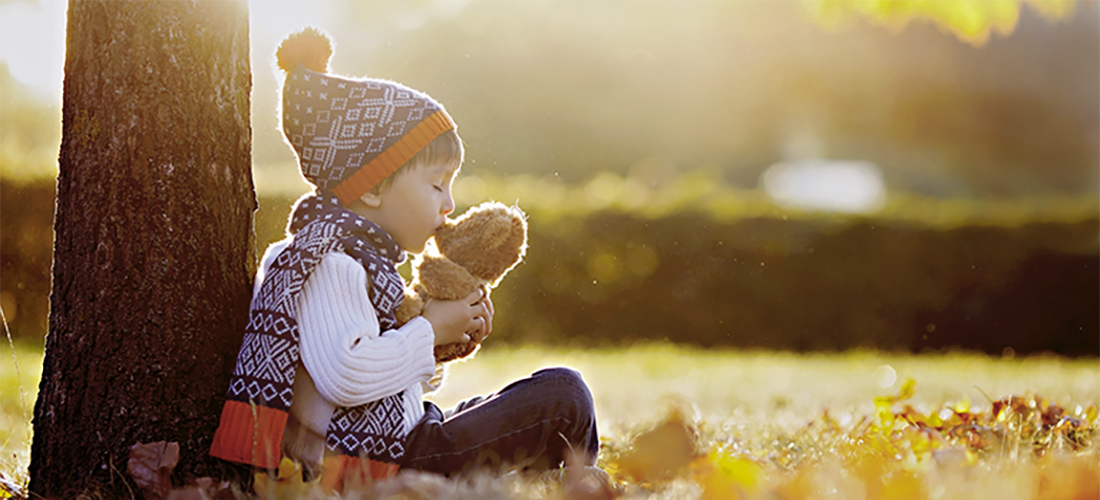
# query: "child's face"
x,y
415,205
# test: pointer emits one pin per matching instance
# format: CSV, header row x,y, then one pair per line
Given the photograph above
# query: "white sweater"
x,y
347,360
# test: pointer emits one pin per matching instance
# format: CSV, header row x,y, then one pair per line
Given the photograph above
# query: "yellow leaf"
x,y
883,412
741,471
286,485
907,390
724,477
902,486
660,453
971,20
262,484
287,467
936,418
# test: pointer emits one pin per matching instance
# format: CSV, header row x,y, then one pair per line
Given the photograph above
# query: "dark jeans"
x,y
535,423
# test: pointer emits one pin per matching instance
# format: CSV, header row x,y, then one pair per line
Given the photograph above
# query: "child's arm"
x,y
482,326
342,347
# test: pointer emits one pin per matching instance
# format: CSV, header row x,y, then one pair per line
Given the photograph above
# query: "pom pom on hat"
x,y
308,47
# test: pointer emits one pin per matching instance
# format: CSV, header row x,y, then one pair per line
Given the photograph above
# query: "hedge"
x,y
805,283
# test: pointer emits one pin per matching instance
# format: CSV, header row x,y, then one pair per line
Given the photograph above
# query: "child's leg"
x,y
537,422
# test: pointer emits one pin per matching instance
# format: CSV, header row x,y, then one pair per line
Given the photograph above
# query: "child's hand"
x,y
451,319
479,335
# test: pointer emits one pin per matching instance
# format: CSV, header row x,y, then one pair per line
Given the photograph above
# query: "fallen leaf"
x,y
151,467
287,483
206,488
662,452
726,477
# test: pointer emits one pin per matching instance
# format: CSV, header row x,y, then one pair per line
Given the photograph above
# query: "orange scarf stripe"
x,y
343,473
250,434
393,157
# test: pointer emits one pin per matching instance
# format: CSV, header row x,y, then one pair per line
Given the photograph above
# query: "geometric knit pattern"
x,y
264,374
376,430
338,125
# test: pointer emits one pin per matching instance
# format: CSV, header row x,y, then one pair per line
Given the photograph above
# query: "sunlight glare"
x,y
272,20
469,190
281,17
32,44
885,376
826,185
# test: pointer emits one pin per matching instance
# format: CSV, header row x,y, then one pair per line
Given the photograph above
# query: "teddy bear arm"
x,y
443,279
450,352
409,308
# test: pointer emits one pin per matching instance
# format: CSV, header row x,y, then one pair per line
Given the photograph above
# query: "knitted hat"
x,y
350,134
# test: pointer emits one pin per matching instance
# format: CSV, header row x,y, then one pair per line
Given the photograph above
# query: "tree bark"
x,y
153,249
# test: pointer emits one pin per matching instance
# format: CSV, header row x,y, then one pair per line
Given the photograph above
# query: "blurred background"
x,y
797,175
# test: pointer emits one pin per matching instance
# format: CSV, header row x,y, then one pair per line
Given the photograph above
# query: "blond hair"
x,y
446,149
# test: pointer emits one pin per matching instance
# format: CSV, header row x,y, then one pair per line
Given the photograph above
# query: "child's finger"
x,y
474,297
488,326
480,333
475,329
489,307
476,309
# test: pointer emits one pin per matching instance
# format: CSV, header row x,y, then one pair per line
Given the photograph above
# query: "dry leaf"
x,y
286,485
151,467
206,488
661,453
725,477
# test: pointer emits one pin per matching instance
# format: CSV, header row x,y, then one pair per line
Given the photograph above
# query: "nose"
x,y
448,205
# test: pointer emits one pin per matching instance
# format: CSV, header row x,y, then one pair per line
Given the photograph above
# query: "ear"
x,y
371,199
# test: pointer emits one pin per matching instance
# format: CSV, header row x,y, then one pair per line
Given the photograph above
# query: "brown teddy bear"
x,y
475,250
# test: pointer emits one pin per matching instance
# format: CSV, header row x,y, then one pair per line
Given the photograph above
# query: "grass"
x,y
768,424
20,372
731,387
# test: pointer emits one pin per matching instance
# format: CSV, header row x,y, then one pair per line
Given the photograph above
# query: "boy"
x,y
322,369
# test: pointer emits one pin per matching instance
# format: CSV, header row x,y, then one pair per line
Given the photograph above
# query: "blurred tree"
x,y
153,251
30,130
574,89
970,20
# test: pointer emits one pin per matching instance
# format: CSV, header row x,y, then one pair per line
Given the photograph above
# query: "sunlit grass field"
x,y
768,424
20,372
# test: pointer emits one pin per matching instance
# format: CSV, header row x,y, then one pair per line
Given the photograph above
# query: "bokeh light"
x,y
837,186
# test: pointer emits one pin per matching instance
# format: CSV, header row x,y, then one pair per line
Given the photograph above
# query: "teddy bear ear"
x,y
503,228
508,244
488,240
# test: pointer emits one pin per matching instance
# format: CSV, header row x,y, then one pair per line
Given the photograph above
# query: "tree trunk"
x,y
153,249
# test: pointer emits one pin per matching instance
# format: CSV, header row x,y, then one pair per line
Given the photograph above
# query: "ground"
x,y
768,424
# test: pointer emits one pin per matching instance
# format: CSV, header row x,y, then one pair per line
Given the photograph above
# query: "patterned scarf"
x,y
261,388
